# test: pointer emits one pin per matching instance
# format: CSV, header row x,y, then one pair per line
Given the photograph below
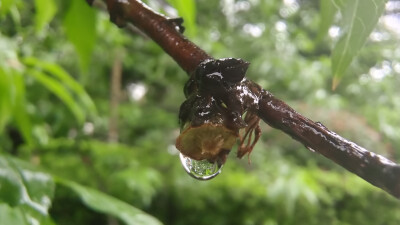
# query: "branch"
x,y
212,85
164,31
372,167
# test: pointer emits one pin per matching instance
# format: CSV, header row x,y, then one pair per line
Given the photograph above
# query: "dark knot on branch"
x,y
212,117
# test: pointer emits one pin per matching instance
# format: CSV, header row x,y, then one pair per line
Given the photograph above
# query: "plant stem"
x,y
164,31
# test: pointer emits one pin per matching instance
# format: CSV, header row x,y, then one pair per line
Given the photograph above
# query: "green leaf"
x,y
60,91
12,102
187,10
5,98
327,13
110,205
45,11
64,78
80,26
21,116
359,17
25,193
5,6
10,215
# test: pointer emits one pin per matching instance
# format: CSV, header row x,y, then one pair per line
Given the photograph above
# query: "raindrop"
x,y
201,170
309,148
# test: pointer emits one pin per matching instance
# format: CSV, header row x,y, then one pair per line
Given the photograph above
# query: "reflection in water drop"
x,y
201,170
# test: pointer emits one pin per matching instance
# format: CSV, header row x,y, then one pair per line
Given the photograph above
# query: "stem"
x,y
162,30
372,167
115,93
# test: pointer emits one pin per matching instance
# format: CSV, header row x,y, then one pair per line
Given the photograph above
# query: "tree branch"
x,y
372,167
164,31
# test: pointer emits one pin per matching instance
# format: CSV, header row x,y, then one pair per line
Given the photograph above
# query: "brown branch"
x,y
373,168
164,31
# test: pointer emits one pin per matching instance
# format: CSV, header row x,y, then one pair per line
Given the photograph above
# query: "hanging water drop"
x,y
201,170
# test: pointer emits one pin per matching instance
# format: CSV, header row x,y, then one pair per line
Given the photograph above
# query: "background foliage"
x,y
73,150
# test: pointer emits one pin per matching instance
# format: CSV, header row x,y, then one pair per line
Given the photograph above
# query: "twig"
x,y
372,167
164,31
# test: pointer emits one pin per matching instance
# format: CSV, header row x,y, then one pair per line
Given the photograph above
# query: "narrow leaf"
x,y
5,98
80,26
60,91
327,13
65,78
45,11
107,204
359,17
21,116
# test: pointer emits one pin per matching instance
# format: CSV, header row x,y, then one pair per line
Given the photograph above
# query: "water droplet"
x,y
309,148
201,170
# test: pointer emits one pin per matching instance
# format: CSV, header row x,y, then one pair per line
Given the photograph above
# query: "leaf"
x,y
45,11
5,6
187,10
80,26
5,98
60,91
327,13
107,204
10,215
12,102
359,18
25,193
21,116
65,78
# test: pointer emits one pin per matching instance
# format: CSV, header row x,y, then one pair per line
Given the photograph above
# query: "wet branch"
x,y
372,167
166,32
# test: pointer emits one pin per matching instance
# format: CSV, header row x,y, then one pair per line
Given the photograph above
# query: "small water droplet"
x,y
311,150
201,170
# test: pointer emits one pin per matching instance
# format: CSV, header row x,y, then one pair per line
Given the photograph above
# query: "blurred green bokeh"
x,y
97,160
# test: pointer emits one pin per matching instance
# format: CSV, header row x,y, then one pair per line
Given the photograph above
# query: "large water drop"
x,y
201,170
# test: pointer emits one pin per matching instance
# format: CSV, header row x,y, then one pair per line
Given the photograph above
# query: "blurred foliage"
x,y
26,193
59,164
359,19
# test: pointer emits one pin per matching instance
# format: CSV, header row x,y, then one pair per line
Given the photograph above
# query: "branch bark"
x,y
372,167
164,31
